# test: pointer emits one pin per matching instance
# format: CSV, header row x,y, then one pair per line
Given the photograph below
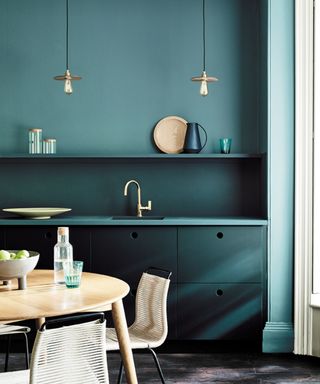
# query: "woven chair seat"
x,y
138,340
23,377
135,342
15,377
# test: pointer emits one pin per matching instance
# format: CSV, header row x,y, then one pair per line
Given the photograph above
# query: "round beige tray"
x,y
169,134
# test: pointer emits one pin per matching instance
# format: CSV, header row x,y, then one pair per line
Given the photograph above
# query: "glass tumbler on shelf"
x,y
225,145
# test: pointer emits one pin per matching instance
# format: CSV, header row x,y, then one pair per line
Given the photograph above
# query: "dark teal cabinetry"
x,y
2,244
221,282
220,254
218,272
43,240
219,311
125,252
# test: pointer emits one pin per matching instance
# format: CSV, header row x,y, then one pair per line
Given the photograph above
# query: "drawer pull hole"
x,y
48,235
134,235
219,292
219,235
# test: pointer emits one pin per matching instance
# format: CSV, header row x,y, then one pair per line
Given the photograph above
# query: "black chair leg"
x,y
155,358
120,374
6,363
27,350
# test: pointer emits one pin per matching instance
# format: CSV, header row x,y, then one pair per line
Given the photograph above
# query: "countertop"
x,y
108,221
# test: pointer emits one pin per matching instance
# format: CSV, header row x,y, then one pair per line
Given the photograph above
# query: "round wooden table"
x,y
43,298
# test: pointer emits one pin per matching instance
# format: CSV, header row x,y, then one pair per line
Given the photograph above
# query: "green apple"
x,y
12,255
4,255
22,254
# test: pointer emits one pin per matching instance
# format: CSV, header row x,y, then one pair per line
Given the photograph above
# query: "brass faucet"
x,y
140,208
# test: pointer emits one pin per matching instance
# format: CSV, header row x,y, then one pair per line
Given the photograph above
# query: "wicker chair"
x,y
73,354
9,330
150,327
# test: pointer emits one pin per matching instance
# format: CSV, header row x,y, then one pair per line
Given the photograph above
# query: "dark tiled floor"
x,y
218,368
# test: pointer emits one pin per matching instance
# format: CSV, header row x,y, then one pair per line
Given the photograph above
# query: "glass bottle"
x,y
62,252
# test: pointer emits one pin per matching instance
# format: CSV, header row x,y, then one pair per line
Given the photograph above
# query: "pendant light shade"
x,y
67,77
204,79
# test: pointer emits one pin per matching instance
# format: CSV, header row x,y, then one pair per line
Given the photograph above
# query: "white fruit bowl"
x,y
18,268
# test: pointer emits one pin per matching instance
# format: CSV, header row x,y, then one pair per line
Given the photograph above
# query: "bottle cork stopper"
x,y
63,231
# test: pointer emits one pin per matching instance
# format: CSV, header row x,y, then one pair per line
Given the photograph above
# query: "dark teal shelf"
x,y
158,156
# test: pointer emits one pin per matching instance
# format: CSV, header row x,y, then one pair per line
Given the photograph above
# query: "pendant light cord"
x,y
67,34
204,34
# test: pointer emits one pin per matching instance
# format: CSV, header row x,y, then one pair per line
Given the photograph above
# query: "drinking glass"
x,y
225,145
72,273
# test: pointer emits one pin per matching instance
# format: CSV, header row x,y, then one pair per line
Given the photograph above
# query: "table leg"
x,y
39,322
120,323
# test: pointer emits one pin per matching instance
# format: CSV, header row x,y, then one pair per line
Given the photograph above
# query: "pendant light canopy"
x,y
67,77
204,79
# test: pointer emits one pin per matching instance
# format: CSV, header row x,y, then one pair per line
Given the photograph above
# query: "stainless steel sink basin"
x,y
137,218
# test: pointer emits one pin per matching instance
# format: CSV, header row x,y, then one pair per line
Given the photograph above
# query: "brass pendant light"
x,y
67,77
204,79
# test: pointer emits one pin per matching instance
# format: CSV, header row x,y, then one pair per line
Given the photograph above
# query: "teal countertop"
x,y
107,220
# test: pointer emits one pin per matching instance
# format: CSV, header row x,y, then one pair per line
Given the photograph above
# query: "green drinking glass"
x,y
72,273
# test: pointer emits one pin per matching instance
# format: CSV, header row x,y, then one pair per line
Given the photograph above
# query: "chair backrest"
x,y
151,308
72,354
8,329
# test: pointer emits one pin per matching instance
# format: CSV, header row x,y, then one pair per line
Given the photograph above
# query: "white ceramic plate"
x,y
37,213
169,134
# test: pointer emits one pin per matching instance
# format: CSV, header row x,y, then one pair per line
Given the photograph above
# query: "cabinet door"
x,y
125,252
2,242
219,311
43,239
221,254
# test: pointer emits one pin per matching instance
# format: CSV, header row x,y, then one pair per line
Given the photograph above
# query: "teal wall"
x,y
136,59
187,188
278,333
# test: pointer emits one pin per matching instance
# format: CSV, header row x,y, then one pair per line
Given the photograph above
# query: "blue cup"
x,y
225,145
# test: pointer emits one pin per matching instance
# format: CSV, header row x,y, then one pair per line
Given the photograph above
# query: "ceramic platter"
x,y
169,134
37,213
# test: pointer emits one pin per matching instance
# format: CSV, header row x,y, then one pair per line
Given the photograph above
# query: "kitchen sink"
x,y
137,218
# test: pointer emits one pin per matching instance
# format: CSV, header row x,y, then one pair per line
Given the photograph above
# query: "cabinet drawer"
x,y
219,311
43,239
221,254
127,251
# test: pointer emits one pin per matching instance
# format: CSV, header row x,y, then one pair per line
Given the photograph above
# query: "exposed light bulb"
x,y
204,80
67,78
68,87
204,88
